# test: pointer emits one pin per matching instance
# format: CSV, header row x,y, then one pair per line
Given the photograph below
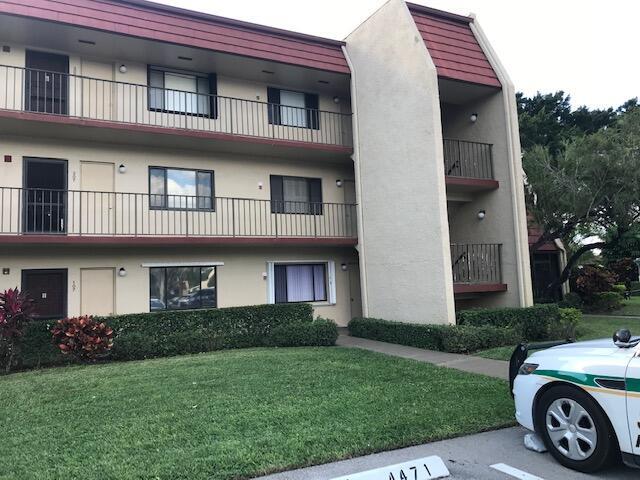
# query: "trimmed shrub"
x,y
148,335
603,302
532,323
319,333
448,338
571,300
619,288
83,337
568,325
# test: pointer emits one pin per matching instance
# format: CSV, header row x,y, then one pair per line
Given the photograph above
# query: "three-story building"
x,y
157,158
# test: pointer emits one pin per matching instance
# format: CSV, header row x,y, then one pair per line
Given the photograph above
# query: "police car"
x,y
582,399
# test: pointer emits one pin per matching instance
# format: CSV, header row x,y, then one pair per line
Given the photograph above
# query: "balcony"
x,y
36,216
127,109
477,268
468,166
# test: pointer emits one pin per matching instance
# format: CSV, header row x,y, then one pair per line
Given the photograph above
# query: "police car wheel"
x,y
575,430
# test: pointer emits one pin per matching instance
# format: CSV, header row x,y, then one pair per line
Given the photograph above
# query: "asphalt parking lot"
x,y
467,458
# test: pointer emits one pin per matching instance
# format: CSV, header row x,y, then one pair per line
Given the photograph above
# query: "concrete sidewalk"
x,y
467,363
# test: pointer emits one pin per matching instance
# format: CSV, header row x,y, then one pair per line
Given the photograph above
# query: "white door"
x,y
96,201
97,291
97,90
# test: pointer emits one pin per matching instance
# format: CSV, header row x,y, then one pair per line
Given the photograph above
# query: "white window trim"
x,y
182,264
331,279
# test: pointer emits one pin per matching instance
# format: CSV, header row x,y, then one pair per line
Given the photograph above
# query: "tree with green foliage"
x,y
586,184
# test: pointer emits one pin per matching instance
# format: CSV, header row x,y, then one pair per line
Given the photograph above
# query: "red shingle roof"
x,y
453,46
153,21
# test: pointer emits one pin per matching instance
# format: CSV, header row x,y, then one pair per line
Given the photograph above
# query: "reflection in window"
x,y
292,109
180,189
173,288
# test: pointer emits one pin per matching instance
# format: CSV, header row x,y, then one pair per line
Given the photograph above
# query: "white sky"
x,y
588,48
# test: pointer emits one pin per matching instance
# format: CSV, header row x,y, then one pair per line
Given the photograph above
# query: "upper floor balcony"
x,y
468,166
174,103
47,216
477,268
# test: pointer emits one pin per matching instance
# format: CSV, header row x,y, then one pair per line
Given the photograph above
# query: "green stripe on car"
x,y
588,380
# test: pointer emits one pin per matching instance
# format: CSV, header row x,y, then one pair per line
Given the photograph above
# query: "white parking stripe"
x,y
514,472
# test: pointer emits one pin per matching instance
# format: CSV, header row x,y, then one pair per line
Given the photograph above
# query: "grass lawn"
x,y
631,307
233,414
593,326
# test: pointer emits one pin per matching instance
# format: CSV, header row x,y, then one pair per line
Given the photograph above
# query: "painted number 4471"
x,y
412,473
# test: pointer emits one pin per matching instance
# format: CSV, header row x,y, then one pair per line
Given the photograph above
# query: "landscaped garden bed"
x,y
233,414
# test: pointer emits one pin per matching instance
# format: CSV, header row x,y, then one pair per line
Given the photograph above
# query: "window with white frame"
x,y
174,288
291,282
177,91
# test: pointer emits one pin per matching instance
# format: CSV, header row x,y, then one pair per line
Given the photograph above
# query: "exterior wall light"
x,y
122,168
338,183
123,68
264,275
122,272
481,214
344,267
336,99
473,117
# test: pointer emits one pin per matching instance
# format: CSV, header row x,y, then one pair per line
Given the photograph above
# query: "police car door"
x,y
633,401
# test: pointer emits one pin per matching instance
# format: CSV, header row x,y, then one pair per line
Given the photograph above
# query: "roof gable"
x,y
453,47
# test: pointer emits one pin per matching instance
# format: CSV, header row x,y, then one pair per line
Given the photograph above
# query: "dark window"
x,y
177,188
174,288
293,109
296,195
300,283
178,91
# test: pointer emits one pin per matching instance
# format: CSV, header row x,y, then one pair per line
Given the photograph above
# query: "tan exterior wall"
x,y
240,280
237,176
404,241
242,107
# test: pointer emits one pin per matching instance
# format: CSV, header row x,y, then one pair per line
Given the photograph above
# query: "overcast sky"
x,y
588,48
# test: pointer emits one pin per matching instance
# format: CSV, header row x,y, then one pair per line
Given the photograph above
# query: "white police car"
x,y
582,398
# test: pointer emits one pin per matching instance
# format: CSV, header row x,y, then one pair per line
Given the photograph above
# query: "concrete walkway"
x,y
467,363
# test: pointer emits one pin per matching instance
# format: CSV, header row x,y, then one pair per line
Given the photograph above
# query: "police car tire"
x,y
607,444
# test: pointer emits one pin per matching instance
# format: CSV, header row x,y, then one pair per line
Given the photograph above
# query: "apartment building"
x,y
156,158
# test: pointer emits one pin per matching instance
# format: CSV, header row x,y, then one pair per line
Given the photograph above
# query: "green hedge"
x,y
447,338
532,323
319,333
476,330
161,334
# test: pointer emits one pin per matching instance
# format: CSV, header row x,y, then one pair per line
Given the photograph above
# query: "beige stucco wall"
x,y
240,280
404,242
499,224
237,176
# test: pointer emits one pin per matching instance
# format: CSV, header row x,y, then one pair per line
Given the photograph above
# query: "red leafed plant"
x,y
83,337
15,311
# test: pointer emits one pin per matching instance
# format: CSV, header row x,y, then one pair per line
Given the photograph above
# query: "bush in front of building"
x,y
446,338
168,333
15,314
83,337
537,323
319,333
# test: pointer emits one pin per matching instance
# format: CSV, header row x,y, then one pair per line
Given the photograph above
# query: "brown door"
x,y
46,82
48,289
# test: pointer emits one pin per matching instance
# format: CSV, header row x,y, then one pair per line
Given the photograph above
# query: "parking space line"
x,y
514,472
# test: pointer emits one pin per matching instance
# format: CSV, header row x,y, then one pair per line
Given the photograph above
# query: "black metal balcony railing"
x,y
62,94
73,212
468,159
476,263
